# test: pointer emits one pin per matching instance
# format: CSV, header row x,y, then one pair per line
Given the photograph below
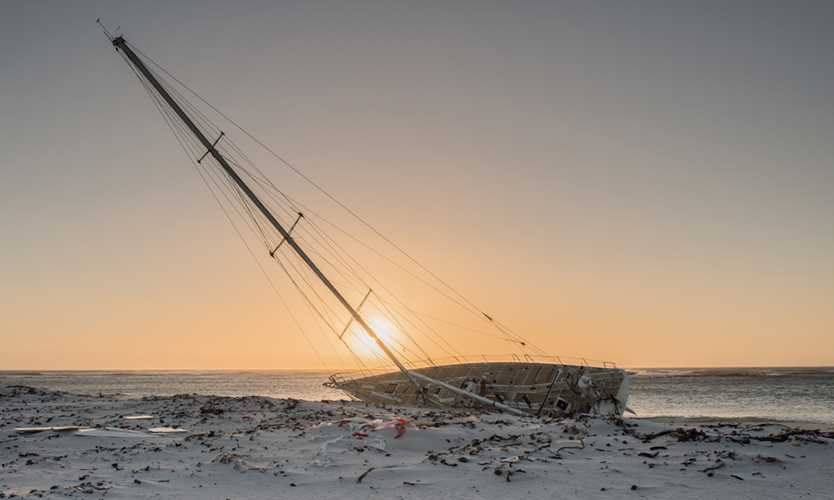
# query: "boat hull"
x,y
548,389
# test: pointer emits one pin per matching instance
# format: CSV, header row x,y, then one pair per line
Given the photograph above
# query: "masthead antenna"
x,y
104,29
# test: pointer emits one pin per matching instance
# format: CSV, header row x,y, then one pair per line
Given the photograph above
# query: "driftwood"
x,y
680,433
767,459
654,435
814,436
361,477
718,465
572,446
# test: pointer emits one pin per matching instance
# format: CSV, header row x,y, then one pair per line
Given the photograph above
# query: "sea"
x,y
784,394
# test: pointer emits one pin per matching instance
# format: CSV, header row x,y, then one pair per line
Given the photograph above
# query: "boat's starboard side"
x,y
538,388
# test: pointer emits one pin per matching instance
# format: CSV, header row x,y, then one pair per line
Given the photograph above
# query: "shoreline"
x,y
707,420
668,419
197,446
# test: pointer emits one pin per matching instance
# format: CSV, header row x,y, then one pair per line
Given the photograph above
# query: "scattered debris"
x,y
112,432
681,434
767,459
36,430
166,430
362,476
286,439
718,465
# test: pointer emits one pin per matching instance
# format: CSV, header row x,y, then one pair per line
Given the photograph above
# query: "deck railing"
x,y
483,358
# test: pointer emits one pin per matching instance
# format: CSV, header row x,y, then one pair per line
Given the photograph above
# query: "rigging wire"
x,y
251,216
289,200
323,240
382,285
320,188
178,134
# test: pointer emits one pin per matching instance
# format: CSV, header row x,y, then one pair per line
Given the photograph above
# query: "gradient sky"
x,y
646,182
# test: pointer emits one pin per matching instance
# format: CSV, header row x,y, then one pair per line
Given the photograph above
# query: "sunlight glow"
x,y
364,347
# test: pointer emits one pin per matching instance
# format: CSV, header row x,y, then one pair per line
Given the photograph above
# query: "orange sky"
x,y
609,191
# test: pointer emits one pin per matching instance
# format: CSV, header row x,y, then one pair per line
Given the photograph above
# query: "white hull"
x,y
537,388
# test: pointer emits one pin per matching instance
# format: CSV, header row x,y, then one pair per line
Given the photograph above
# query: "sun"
x,y
364,346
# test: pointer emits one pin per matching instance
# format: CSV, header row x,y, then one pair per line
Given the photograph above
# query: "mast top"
x,y
107,32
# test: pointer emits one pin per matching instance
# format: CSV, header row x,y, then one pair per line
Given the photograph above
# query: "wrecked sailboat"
x,y
313,256
538,385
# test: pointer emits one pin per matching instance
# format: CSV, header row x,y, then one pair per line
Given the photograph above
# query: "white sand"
x,y
267,448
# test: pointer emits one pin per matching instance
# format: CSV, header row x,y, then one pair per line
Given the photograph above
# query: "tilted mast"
x,y
121,44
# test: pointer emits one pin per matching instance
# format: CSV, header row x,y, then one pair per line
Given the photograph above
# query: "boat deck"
x,y
536,387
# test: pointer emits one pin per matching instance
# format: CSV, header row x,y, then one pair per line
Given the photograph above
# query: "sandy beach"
x,y
190,446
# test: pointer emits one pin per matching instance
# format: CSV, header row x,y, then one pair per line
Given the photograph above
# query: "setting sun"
x,y
366,348
423,250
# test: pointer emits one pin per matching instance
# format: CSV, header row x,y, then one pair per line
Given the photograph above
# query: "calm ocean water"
x,y
800,394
